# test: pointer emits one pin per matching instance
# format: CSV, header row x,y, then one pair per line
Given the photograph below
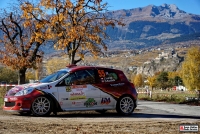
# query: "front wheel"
x,y
41,106
125,105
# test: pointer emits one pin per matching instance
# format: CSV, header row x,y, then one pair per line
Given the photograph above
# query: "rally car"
x,y
74,88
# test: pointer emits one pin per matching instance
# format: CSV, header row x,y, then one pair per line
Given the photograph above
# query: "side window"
x,y
107,75
85,77
80,78
70,79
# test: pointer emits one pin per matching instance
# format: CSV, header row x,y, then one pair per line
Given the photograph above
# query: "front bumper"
x,y
17,103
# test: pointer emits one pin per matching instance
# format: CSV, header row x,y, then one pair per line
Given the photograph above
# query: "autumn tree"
x,y
191,69
77,26
152,81
20,42
138,80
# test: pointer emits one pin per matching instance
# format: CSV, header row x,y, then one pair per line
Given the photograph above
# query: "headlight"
x,y
24,92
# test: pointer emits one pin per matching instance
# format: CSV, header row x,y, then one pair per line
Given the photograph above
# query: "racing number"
x,y
101,73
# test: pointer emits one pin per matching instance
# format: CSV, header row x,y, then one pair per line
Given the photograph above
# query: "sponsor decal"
x,y
79,86
46,87
68,89
105,101
13,99
109,79
90,102
77,95
116,85
49,86
64,99
77,103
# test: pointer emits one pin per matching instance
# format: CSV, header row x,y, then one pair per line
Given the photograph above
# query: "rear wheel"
x,y
41,106
125,105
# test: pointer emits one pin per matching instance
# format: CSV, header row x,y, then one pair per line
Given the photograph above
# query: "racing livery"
x,y
74,88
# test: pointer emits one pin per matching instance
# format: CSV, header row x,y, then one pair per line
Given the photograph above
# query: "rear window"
x,y
107,75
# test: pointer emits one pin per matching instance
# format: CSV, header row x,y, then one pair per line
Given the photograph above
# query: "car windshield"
x,y
53,77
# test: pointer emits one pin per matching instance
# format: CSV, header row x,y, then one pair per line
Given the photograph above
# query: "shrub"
x,y
2,93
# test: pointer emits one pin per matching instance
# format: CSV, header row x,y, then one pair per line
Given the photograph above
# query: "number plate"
x,y
6,99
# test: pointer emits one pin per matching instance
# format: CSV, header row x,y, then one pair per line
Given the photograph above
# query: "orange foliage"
x,y
74,26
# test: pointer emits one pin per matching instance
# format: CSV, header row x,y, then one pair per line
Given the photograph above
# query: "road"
x,y
149,117
167,110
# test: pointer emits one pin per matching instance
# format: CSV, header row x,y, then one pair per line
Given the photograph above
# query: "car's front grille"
x,y
9,104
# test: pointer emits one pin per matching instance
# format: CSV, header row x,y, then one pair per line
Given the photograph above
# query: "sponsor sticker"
x,y
13,99
61,103
79,86
90,102
77,103
105,101
116,85
68,89
46,87
77,95
188,128
64,98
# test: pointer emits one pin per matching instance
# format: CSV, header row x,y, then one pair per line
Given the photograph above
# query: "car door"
x,y
77,92
110,84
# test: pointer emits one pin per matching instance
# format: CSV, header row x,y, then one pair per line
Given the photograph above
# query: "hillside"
x,y
152,26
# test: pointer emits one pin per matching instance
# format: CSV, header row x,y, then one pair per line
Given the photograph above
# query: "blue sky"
x,y
190,6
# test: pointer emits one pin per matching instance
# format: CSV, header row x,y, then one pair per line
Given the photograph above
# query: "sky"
x,y
189,6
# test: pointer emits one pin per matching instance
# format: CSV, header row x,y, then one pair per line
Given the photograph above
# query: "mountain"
x,y
153,25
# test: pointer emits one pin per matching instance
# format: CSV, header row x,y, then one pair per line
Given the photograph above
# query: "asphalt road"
x,y
149,117
150,109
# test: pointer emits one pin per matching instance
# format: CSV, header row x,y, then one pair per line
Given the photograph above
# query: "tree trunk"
x,y
72,58
22,76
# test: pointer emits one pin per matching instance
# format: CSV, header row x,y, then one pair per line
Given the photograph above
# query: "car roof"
x,y
73,68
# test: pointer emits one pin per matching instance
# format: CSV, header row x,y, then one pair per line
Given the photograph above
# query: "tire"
x,y
42,106
101,111
125,105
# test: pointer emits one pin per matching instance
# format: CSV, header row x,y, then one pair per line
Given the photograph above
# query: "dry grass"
x,y
168,96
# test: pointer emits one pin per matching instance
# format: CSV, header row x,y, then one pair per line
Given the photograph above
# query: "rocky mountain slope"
x,y
153,25
166,61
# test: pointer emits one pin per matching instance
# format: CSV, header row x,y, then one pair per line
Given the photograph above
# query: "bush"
x,y
2,93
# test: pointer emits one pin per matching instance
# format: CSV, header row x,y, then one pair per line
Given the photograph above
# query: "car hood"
x,y
18,88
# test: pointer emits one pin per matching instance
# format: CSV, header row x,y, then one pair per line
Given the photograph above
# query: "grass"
x,y
171,96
